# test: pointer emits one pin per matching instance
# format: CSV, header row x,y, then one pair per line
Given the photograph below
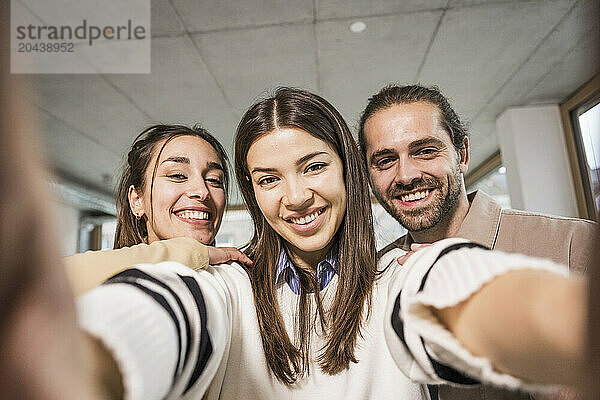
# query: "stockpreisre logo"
x,y
92,37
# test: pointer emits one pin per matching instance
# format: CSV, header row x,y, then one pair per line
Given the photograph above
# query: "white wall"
x,y
67,221
536,160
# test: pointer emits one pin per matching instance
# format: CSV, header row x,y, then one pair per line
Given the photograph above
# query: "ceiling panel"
x,y
486,55
478,48
481,128
202,16
81,158
575,69
89,104
578,26
353,67
247,63
180,89
164,20
360,8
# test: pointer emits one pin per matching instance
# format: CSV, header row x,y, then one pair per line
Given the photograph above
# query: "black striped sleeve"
x,y
411,345
121,313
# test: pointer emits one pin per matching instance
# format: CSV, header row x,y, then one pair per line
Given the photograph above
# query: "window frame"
x,y
584,98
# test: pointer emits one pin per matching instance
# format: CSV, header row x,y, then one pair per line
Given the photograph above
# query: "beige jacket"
x,y
567,241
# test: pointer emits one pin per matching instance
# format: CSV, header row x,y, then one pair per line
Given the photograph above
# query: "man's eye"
x,y
384,162
427,151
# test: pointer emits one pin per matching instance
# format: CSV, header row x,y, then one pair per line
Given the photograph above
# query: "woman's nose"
x,y
198,189
297,195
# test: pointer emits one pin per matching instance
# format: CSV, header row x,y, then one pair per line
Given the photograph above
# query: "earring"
x,y
138,216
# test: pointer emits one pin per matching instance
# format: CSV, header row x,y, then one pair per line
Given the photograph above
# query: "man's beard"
x,y
426,217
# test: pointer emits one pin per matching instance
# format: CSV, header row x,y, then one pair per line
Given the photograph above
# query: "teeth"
x,y
306,219
415,196
194,215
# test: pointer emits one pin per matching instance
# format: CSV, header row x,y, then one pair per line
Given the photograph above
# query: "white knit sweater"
x,y
176,333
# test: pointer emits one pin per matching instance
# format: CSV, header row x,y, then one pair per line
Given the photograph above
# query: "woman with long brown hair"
x,y
294,121
138,220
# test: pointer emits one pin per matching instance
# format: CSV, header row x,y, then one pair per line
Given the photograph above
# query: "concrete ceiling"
x,y
212,59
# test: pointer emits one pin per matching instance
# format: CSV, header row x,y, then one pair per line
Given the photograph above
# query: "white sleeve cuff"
x,y
166,326
137,332
425,350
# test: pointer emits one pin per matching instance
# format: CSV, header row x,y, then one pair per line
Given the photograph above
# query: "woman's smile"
x,y
194,215
309,222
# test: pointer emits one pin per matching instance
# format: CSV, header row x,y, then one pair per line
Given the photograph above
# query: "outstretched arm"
x,y
465,315
528,323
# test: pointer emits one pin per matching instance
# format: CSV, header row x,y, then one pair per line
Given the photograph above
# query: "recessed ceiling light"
x,y
502,170
358,27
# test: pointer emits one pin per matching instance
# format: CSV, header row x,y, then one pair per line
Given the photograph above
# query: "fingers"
x,y
402,259
413,249
237,255
221,255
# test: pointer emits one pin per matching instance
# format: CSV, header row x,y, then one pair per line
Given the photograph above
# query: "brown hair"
x,y
130,230
392,95
295,108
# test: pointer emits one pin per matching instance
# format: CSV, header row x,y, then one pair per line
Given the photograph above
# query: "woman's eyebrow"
x,y
299,162
263,169
177,159
307,157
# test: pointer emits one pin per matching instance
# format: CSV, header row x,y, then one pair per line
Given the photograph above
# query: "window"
x,y
494,184
581,121
237,227
96,232
589,128
490,177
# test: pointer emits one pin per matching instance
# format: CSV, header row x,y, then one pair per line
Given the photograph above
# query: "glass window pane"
x,y
494,184
589,124
387,229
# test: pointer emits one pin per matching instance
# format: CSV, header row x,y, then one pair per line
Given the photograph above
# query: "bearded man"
x,y
417,150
